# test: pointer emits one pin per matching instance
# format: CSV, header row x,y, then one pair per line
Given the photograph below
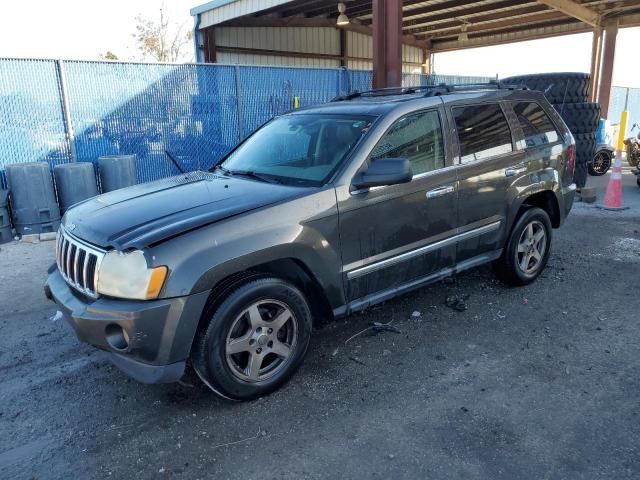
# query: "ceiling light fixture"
x,y
342,18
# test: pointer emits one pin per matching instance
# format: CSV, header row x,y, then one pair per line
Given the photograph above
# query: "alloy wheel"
x,y
261,340
532,246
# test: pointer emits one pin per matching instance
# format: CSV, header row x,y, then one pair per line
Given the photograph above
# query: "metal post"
x,y
387,43
596,62
608,57
66,111
239,104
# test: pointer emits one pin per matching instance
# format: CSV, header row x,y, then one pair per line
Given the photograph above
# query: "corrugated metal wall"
x,y
314,40
291,39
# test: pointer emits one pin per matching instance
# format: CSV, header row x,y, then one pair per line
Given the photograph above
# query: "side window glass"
x,y
416,137
483,132
537,126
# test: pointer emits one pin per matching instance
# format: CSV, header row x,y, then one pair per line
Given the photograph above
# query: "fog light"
x,y
117,337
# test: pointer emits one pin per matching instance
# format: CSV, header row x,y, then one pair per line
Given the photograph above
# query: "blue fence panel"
x,y
360,80
31,120
146,109
270,91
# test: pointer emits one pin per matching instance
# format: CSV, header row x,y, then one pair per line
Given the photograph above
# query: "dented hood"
x,y
149,213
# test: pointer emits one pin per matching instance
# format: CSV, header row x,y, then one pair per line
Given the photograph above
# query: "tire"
x,y
580,117
265,319
601,163
585,147
557,87
509,267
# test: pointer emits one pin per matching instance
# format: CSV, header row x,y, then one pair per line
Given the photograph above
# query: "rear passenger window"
x,y
537,126
416,137
483,132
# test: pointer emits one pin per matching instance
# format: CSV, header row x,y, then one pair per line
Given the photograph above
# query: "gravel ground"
x,y
526,383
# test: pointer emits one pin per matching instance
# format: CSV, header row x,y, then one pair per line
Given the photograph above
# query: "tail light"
x,y
571,160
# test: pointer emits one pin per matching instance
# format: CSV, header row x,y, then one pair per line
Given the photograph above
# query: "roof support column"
x,y
387,43
209,45
608,58
596,62
426,61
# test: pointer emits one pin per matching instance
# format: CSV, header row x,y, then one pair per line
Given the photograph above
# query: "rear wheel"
x,y
600,164
254,340
527,250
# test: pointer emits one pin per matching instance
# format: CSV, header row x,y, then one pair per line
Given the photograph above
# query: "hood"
x,y
145,214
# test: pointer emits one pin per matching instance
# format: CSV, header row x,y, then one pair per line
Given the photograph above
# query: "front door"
x,y
396,234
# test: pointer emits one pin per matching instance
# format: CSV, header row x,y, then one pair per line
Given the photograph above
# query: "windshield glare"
x,y
302,149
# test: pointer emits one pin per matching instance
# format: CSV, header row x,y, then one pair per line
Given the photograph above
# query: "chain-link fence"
x,y
63,111
624,98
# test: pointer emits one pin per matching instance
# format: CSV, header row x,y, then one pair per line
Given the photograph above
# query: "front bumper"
x,y
159,333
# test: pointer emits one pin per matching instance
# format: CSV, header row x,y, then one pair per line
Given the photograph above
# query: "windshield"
x,y
302,149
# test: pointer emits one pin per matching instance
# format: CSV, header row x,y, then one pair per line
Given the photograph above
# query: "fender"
x,y
304,230
547,180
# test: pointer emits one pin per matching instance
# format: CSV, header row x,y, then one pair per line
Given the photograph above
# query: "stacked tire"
x,y
569,95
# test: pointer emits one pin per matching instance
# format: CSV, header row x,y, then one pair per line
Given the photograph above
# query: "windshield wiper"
x,y
175,162
251,174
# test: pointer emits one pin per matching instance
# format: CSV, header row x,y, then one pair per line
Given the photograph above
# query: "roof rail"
x,y
380,92
430,90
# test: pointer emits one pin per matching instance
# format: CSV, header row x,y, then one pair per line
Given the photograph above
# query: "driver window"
x,y
416,137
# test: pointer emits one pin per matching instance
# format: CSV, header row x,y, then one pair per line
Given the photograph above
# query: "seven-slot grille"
x,y
78,263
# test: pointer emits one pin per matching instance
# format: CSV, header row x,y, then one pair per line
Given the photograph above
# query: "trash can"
x,y
75,182
117,171
33,200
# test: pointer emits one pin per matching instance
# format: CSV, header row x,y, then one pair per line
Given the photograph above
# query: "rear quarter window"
x,y
536,125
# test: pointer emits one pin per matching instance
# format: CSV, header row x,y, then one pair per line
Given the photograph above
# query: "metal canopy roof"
x,y
437,24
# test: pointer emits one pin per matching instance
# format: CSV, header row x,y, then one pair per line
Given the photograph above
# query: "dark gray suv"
x,y
320,213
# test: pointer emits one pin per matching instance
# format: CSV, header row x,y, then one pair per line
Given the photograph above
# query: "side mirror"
x,y
384,171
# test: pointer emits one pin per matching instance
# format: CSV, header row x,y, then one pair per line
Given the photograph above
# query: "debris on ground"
x,y
525,301
416,314
457,303
358,361
375,328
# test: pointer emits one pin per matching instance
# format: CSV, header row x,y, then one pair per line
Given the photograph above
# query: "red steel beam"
x,y
608,58
387,43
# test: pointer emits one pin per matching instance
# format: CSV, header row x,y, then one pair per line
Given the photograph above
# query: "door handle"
x,y
515,170
439,192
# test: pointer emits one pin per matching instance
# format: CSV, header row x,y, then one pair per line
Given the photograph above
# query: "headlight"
x,y
126,275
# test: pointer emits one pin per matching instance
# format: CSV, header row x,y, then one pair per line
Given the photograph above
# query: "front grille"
x,y
78,263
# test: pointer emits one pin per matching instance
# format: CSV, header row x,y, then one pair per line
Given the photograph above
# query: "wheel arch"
x,y
289,269
545,200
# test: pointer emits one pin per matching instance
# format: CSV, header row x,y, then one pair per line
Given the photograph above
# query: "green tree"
x,y
161,39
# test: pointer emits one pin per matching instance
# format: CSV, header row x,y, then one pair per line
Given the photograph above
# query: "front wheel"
x,y
600,164
254,340
527,250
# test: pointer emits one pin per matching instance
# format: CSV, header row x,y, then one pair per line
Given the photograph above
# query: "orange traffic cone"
x,y
613,197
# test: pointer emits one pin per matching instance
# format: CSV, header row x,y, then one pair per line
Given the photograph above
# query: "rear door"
x,y
393,235
488,161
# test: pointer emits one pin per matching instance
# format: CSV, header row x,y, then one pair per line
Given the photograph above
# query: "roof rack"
x,y
430,90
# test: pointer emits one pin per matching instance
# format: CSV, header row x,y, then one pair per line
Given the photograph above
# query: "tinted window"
x,y
537,126
483,132
416,137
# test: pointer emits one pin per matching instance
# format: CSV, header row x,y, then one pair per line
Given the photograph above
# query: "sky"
x,y
84,29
